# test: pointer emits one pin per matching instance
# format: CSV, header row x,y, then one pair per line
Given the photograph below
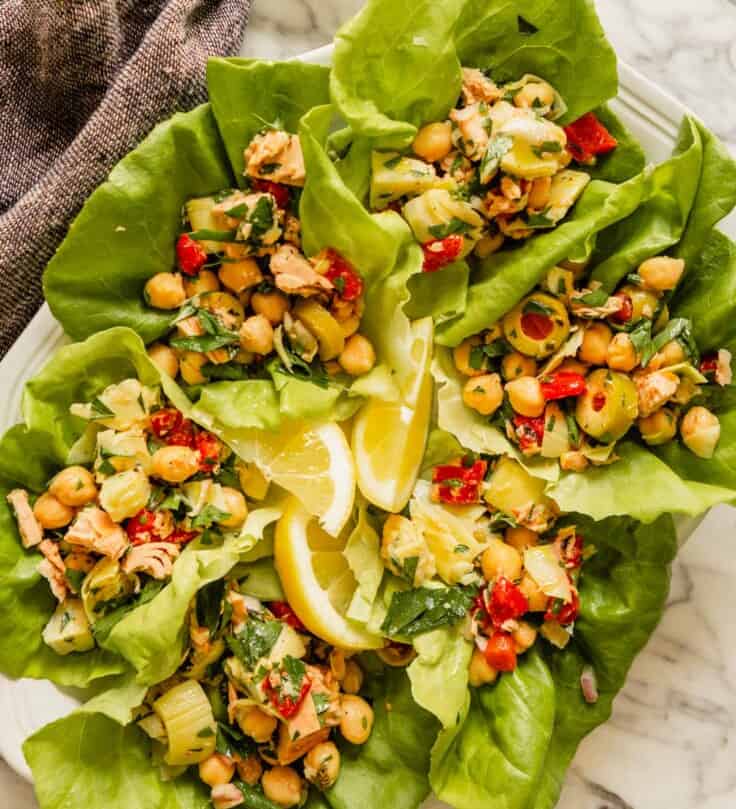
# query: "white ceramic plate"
x,y
26,705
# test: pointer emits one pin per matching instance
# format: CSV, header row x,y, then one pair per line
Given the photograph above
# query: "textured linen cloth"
x,y
81,83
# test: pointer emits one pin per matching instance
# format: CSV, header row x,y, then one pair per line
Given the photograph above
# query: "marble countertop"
x,y
671,743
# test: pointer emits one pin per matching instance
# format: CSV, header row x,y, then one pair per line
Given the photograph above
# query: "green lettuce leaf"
x,y
639,484
440,295
519,736
363,554
127,229
249,94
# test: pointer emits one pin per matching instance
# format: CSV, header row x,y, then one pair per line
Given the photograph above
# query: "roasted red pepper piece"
x,y
529,431
190,255
571,551
708,364
182,436
626,311
506,602
165,421
458,484
500,651
562,384
283,611
441,252
536,325
279,192
587,137
141,528
180,537
286,706
599,402
344,278
564,612
208,448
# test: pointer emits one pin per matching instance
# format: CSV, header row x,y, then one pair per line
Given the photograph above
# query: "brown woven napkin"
x,y
81,83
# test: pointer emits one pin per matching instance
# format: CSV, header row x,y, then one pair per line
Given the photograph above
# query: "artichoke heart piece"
x,y
105,582
436,214
199,212
538,148
323,326
190,726
394,176
68,629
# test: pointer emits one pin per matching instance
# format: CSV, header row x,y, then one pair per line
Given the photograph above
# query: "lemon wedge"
x,y
389,437
317,580
312,462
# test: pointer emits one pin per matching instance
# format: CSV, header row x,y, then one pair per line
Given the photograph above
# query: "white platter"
x,y
26,705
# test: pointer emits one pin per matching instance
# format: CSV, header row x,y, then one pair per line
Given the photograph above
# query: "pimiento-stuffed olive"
x,y
538,325
609,405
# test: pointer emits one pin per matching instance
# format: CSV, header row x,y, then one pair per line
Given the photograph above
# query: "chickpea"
x,y
250,769
357,719
217,769
322,765
596,339
534,595
621,355
573,461
539,193
397,655
164,358
500,559
573,366
74,486
484,393
521,538
165,290
525,395
515,364
480,671
283,786
256,335
539,92
235,506
52,513
257,724
433,141
461,356
174,464
658,428
272,305
661,273
670,354
358,356
204,281
350,325
524,636
700,431
190,364
352,682
240,275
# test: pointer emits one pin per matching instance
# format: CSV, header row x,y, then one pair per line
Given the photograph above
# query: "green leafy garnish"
x,y
255,640
598,297
208,516
413,612
452,227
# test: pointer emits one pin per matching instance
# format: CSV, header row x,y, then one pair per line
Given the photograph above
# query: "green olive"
x,y
227,308
643,302
537,326
609,405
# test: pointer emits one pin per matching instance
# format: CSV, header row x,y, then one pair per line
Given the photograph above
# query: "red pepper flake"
x,y
506,603
441,252
208,448
587,137
626,311
599,402
564,613
279,192
529,431
536,325
457,484
286,705
344,278
190,255
283,611
165,421
500,651
562,384
140,528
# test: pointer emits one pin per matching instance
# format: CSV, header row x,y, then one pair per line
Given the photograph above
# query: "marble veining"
x,y
671,742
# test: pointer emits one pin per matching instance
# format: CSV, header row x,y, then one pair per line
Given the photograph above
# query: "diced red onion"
x,y
589,684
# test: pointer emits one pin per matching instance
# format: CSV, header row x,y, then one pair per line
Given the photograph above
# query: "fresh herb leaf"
x,y
255,640
231,739
679,329
321,705
293,672
413,612
207,234
540,220
547,147
598,297
103,626
99,409
209,605
450,228
208,516
75,578
533,307
496,149
641,336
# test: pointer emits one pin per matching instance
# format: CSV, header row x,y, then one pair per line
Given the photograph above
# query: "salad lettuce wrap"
x,y
146,637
